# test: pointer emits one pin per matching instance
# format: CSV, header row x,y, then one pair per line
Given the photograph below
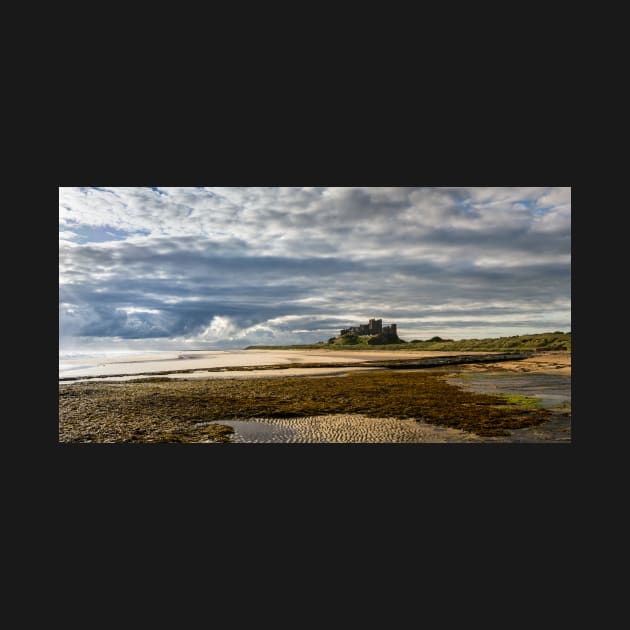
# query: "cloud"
x,y
229,266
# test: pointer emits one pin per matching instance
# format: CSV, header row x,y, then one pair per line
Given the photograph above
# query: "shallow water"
x,y
255,431
344,429
554,390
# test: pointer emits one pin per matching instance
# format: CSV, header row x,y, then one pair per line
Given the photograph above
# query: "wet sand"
x,y
358,429
145,365
238,374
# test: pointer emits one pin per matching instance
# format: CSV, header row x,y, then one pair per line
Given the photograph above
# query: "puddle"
x,y
344,429
253,431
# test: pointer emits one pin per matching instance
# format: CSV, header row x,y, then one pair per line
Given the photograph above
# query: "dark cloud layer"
x,y
228,267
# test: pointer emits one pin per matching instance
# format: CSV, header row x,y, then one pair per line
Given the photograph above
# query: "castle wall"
x,y
373,327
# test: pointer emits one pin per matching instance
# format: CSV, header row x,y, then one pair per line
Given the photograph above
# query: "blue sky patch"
x,y
103,233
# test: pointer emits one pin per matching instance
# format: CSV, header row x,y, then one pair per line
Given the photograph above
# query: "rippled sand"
x,y
359,429
346,429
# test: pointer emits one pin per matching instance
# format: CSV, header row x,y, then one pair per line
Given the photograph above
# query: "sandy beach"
x,y
553,362
195,363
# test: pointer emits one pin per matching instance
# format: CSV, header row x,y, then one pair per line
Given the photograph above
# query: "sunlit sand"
x,y
146,364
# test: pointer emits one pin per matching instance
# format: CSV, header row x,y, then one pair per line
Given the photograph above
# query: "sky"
x,y
218,268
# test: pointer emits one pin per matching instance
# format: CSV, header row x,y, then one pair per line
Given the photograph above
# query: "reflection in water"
x,y
252,431
552,390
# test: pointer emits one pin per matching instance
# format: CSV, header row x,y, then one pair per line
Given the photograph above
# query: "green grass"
x,y
541,341
521,401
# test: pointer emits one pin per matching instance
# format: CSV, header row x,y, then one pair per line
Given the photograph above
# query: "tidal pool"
x,y
342,429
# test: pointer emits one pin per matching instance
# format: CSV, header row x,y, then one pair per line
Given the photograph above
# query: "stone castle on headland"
x,y
373,327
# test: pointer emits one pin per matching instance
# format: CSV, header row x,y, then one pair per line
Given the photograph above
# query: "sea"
x,y
72,365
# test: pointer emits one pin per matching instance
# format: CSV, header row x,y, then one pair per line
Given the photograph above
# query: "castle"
x,y
373,327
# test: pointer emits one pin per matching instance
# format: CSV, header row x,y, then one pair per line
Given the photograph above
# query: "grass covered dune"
x,y
540,341
163,410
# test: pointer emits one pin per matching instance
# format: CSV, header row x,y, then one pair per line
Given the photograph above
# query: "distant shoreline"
x,y
306,368
540,341
309,359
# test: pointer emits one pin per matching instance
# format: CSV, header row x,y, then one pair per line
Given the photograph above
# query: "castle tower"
x,y
376,326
